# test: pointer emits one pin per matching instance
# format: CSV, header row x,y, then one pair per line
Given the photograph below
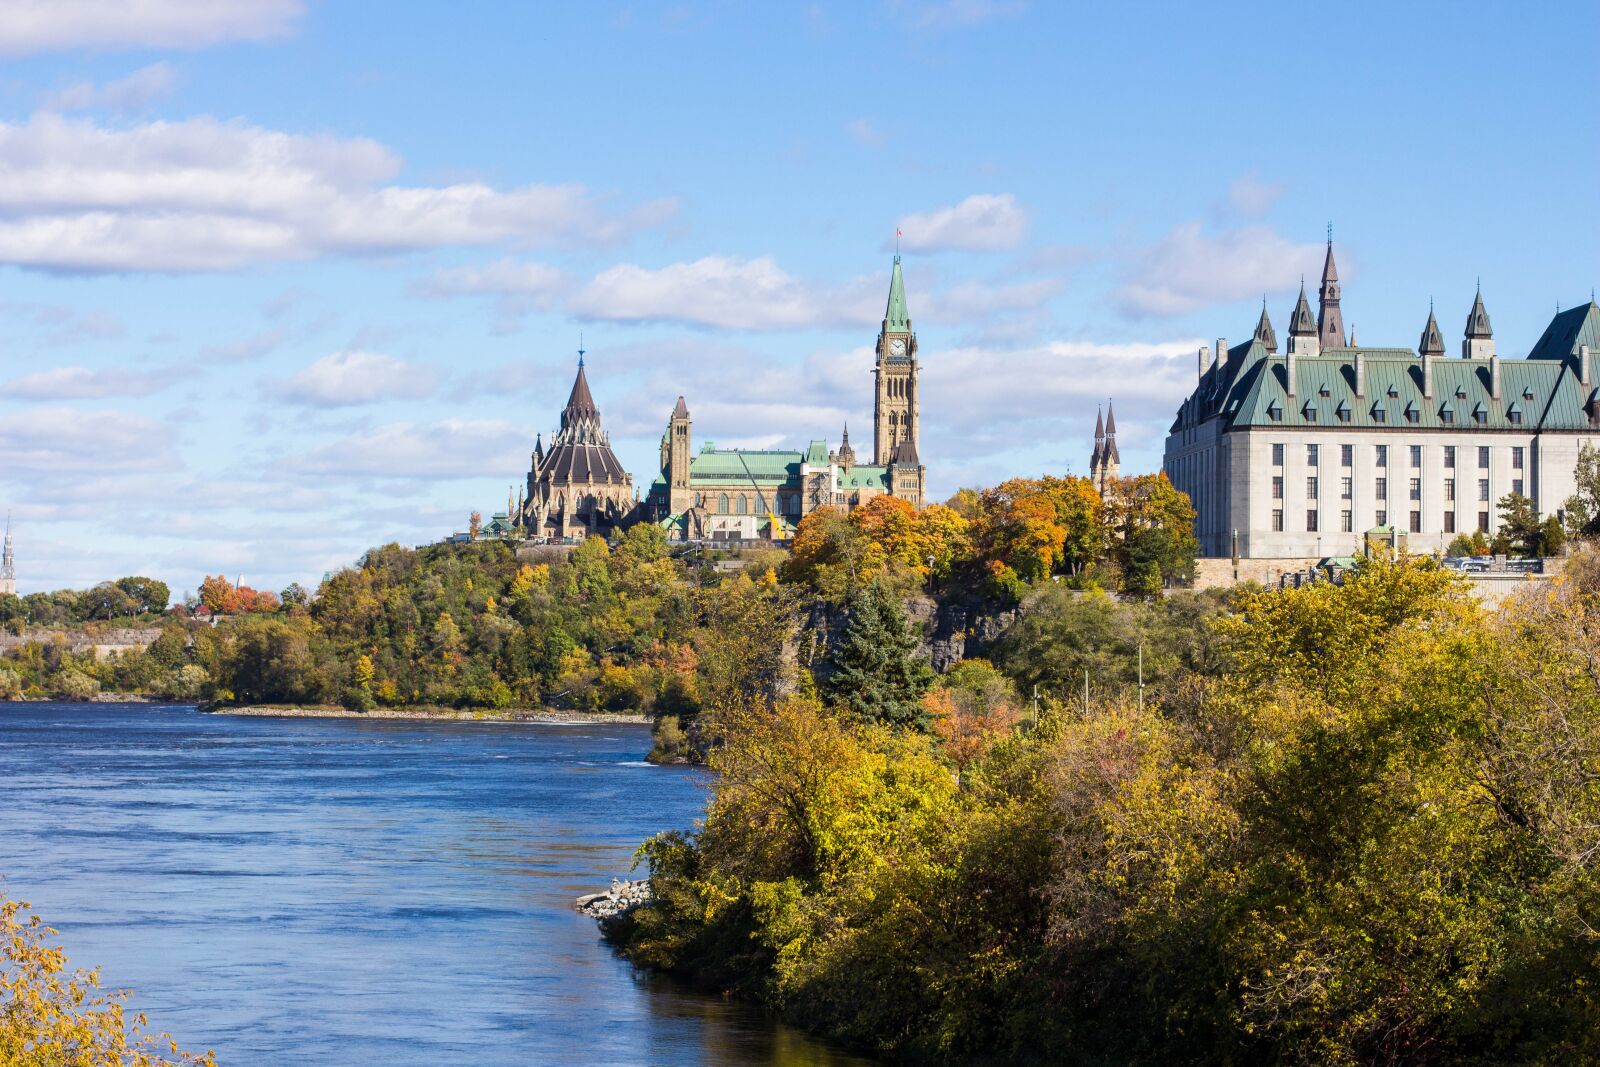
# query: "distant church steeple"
x,y
8,564
1330,322
1105,464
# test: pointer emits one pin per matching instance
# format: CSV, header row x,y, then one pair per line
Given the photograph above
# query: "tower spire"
x,y
1330,320
895,313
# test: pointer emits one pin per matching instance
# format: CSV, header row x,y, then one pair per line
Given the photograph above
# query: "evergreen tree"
x,y
876,675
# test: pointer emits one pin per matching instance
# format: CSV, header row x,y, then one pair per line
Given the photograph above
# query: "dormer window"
x,y
1447,415
1309,411
1461,393
1323,390
1393,391
1274,412
1527,394
1380,413
1412,414
1479,415
1514,416
1342,411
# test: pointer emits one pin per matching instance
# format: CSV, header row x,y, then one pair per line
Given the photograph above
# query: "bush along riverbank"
x,y
1361,828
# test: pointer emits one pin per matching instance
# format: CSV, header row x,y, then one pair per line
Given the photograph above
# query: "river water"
x,y
336,891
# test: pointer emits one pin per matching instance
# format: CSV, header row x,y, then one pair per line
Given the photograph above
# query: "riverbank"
x,y
432,714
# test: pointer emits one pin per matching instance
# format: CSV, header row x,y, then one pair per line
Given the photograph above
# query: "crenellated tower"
x,y
894,408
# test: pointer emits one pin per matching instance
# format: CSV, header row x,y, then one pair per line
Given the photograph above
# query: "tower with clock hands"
x,y
895,395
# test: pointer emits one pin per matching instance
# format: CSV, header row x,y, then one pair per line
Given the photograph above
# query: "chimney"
x,y
1494,377
1583,364
1427,376
1222,349
1361,374
1200,363
1288,366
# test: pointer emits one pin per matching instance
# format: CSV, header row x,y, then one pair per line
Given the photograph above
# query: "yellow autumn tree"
x,y
54,1017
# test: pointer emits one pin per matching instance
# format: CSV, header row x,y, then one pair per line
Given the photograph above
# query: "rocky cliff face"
x,y
957,629
950,630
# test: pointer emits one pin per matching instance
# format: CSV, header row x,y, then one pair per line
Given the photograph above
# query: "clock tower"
x,y
894,408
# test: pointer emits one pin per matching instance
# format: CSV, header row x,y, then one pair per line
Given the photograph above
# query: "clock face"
x,y
897,347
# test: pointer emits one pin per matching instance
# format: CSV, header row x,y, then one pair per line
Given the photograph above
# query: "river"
x,y
336,891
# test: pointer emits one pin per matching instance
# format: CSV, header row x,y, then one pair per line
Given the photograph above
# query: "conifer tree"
x,y
877,676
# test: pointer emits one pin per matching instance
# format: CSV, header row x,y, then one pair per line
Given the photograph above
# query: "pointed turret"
x,y
1432,342
1330,321
895,315
1111,457
681,411
1303,328
1266,336
1479,340
847,455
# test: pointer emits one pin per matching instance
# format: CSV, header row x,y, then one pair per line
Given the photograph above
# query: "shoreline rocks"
x,y
621,898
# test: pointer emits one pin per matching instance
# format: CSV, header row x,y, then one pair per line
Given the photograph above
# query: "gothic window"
x,y
743,505
722,504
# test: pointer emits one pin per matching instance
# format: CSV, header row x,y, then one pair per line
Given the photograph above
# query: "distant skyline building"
x,y
1300,454
8,565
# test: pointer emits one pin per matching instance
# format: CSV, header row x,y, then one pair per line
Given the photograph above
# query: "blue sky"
x,y
280,281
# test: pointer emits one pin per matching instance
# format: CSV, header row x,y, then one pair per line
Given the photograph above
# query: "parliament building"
x,y
576,486
1302,453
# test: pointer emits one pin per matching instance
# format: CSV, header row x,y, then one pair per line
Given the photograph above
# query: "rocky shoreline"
x,y
543,715
621,898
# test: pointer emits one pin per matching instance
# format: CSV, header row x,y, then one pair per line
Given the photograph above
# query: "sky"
x,y
281,280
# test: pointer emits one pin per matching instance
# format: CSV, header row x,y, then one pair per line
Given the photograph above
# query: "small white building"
x,y
1295,454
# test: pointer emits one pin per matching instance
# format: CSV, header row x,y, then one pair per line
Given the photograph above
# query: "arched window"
x,y
743,505
699,500
722,504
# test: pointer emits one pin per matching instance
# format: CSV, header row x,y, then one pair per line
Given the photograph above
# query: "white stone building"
x,y
1297,454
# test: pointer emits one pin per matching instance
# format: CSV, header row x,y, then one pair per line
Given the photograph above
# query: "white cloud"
x,y
724,291
864,133
248,348
54,441
533,281
455,448
204,195
133,93
344,379
1189,269
1252,197
79,383
981,222
54,25
970,300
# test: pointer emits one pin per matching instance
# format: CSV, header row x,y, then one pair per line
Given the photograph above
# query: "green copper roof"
x,y
868,477
1569,329
737,467
896,313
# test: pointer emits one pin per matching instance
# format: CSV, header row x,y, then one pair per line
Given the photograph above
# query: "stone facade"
x,y
1297,455
759,494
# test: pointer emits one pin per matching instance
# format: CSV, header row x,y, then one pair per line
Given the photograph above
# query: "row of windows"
x,y
1381,488
1347,455
788,503
1347,521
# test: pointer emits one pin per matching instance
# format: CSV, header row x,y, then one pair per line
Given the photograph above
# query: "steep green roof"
x,y
896,313
1569,329
1250,387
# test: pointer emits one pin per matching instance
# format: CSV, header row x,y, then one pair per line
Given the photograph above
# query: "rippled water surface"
x,y
335,891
